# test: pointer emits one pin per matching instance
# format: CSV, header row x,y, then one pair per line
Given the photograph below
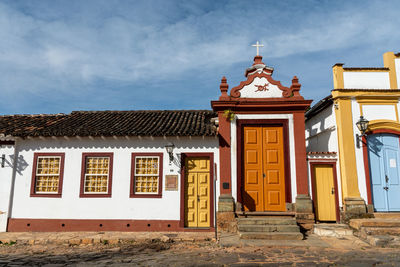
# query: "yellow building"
x,y
364,164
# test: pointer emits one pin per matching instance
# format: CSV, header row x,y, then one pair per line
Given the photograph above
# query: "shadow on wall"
x,y
320,136
21,163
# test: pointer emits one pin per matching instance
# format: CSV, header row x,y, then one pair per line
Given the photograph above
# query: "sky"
x,y
60,56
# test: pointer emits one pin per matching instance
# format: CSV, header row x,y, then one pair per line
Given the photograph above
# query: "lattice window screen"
x,y
96,174
146,175
47,174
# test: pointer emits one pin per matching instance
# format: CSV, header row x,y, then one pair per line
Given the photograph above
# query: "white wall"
x,y
379,112
5,184
366,80
120,205
321,132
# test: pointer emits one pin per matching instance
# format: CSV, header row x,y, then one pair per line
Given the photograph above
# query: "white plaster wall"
x,y
234,163
366,80
379,112
397,65
321,135
120,205
251,91
5,184
362,185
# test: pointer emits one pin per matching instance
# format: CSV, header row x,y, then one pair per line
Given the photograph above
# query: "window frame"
x,y
60,180
160,175
82,193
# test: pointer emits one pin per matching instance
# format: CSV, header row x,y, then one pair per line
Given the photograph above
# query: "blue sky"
x,y
60,56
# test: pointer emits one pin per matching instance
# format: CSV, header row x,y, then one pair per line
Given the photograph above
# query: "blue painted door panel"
x,y
384,159
377,170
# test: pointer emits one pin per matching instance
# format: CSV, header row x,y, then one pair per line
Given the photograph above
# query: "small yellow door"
x,y
197,192
325,193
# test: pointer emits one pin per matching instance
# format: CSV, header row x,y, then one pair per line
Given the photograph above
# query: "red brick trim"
x,y
76,225
314,187
240,161
211,158
82,193
160,176
60,182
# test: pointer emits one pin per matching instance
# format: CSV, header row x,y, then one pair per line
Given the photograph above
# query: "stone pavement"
x,y
191,249
77,238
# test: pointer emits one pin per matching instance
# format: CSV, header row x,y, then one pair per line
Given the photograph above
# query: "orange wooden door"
x,y
264,174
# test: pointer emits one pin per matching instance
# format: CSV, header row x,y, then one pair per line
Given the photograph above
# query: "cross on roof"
x,y
258,45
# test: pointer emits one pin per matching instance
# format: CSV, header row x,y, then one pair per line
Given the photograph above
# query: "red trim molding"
x,y
76,225
160,176
240,158
60,182
314,187
101,154
183,183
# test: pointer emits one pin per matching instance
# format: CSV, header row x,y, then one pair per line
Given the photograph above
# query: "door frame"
x,y
335,184
240,145
210,156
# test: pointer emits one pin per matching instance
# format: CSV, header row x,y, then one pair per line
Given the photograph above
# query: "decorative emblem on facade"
x,y
262,87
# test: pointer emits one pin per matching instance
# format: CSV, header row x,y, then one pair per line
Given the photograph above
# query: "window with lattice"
x,y
146,174
96,175
47,174
47,177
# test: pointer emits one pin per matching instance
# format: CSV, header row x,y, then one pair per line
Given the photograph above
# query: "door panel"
x,y
253,176
274,169
197,192
264,177
384,156
325,194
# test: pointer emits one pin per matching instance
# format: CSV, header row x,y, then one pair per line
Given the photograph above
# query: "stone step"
x,y
268,228
395,231
265,213
267,221
272,236
387,215
332,229
374,222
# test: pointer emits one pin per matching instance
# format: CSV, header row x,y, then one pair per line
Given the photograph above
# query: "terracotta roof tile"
x,y
112,123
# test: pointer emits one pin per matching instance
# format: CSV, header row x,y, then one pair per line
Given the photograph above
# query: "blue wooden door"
x,y
384,159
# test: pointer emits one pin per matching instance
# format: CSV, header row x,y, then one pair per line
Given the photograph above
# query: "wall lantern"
x,y
362,126
170,148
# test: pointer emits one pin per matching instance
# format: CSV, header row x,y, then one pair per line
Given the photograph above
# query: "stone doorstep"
x,y
358,223
384,215
266,221
268,228
333,230
381,230
271,236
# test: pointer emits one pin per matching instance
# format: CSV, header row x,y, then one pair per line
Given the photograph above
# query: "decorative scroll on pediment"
x,y
261,85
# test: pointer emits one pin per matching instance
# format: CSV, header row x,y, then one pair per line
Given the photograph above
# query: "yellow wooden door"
x,y
325,193
264,169
197,192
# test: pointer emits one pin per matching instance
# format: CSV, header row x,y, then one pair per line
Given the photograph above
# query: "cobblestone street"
x,y
199,253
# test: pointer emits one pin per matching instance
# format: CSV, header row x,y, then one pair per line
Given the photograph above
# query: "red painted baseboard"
x,y
69,225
